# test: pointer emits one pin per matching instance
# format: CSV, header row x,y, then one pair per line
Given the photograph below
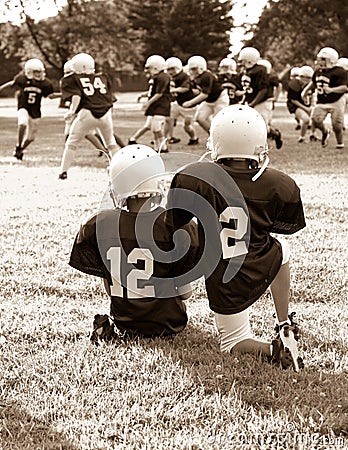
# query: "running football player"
x,y
132,249
181,91
91,102
211,97
229,80
30,87
244,202
258,89
330,82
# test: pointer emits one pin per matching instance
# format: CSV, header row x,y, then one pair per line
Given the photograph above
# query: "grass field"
x,y
58,391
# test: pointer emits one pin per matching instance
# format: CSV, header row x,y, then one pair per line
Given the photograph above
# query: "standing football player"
x,y
30,87
132,249
330,83
157,107
244,202
181,91
229,80
211,97
258,89
91,102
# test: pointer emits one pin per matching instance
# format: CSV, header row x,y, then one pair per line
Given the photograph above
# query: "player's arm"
x,y
54,95
342,89
6,85
307,109
75,101
152,100
310,86
195,101
260,96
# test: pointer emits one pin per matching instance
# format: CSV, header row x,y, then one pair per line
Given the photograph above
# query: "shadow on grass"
x,y
19,431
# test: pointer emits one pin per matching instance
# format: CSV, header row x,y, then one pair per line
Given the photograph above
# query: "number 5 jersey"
x,y
136,255
30,93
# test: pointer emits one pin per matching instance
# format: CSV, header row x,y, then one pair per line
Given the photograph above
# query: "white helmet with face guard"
x,y
83,63
68,68
248,57
34,69
197,64
342,62
136,171
155,64
327,58
174,63
306,72
294,72
239,132
228,66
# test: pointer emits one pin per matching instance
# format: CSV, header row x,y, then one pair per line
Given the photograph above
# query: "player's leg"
x,y
265,109
141,131
203,115
83,123
337,119
22,127
304,120
188,115
170,123
33,126
319,114
106,129
157,127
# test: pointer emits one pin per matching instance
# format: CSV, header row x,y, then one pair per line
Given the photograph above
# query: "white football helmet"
x,y
68,68
248,57
34,69
342,62
136,170
155,64
239,132
294,72
306,72
83,63
265,63
327,58
228,66
196,65
174,64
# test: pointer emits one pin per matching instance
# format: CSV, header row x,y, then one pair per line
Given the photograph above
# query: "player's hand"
x,y
186,105
69,116
327,90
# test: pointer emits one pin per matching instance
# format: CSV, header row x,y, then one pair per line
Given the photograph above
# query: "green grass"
x,y
58,391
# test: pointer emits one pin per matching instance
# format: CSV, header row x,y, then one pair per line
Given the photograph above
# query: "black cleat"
x,y
325,138
103,330
278,140
18,153
63,176
174,140
131,141
193,142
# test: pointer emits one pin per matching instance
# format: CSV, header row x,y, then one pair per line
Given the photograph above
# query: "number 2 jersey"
x,y
30,93
242,257
94,89
135,254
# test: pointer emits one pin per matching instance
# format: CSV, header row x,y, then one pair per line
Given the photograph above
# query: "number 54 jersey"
x,y
94,89
136,255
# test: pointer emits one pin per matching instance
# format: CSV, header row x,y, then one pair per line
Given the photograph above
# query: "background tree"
x,y
291,32
183,27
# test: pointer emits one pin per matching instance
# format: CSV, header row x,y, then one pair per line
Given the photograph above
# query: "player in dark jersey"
x,y
330,83
296,105
92,100
258,90
211,98
238,205
132,249
181,91
30,87
229,80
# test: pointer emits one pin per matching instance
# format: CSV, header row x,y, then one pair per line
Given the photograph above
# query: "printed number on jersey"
x,y
231,238
134,276
91,85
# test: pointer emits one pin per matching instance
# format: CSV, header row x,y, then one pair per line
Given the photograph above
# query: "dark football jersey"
x,y
209,85
336,76
253,81
294,93
160,84
231,83
241,256
182,79
135,253
30,93
95,91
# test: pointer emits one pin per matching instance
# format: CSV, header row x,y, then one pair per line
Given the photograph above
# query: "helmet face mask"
x,y
326,58
34,69
136,171
196,65
173,66
228,66
248,57
83,63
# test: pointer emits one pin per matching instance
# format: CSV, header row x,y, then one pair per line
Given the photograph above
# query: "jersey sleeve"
x,y
177,217
206,83
162,84
47,89
85,255
69,87
290,218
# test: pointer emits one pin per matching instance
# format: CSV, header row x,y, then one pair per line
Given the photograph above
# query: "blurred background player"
x,y
270,202
297,105
30,87
120,245
211,98
157,107
92,101
343,62
330,83
229,80
258,91
181,91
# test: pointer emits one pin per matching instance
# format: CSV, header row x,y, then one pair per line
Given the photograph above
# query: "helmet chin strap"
x,y
265,163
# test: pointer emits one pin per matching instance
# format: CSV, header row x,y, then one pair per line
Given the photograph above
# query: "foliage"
x,y
184,27
293,31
